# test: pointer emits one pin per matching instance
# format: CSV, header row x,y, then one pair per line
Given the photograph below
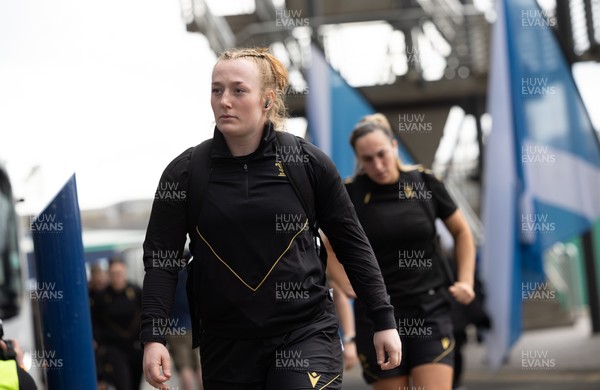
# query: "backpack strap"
x,y
417,177
297,174
199,176
360,191
198,179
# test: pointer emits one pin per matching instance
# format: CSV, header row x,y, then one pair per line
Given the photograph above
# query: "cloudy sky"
x,y
111,90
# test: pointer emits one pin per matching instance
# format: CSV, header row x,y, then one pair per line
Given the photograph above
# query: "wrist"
x,y
466,283
149,344
350,339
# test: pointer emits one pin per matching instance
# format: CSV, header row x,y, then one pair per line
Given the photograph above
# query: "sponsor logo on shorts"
x,y
314,378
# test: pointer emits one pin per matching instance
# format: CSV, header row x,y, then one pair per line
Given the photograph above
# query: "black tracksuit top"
x,y
259,273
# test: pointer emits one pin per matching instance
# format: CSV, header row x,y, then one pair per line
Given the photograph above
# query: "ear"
x,y
395,143
268,99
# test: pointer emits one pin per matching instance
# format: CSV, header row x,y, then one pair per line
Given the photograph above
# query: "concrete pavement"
x,y
565,358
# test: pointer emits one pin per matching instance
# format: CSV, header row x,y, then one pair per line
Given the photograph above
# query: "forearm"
x,y
163,247
344,311
159,290
335,271
464,253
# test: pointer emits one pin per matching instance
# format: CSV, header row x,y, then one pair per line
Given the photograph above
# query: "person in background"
x,y
116,315
98,279
343,307
244,267
343,295
473,314
397,206
179,339
13,375
96,285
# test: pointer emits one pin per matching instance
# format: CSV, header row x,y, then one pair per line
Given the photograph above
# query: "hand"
x,y
350,355
18,351
388,341
156,356
462,292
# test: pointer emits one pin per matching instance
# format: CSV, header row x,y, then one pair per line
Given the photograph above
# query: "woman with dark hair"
x,y
397,206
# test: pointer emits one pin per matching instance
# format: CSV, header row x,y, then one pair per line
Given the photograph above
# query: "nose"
x,y
225,99
378,162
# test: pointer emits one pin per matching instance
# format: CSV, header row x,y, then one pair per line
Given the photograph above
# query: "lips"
x,y
226,116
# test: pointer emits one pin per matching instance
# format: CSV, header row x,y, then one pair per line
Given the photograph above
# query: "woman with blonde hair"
x,y
397,206
259,288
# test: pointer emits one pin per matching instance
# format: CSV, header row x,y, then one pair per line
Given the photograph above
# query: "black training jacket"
x,y
258,271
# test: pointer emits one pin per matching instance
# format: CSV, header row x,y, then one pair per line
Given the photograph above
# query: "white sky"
x,y
110,89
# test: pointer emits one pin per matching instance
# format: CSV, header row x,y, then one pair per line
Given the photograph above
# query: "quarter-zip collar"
x,y
221,150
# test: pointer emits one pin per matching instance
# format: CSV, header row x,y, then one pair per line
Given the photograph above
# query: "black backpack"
x,y
199,177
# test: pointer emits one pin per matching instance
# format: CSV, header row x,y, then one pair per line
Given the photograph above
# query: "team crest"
x,y
279,166
445,343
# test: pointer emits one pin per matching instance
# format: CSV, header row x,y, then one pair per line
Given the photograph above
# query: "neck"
x,y
243,145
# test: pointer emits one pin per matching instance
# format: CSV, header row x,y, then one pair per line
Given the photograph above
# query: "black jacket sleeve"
x,y
163,248
338,220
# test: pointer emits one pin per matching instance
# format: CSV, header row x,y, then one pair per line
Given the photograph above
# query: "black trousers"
x,y
121,367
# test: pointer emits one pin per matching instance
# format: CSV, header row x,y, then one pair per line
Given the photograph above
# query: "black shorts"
x,y
304,359
425,331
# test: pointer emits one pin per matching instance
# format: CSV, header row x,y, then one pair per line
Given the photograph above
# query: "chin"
x,y
381,179
229,128
376,179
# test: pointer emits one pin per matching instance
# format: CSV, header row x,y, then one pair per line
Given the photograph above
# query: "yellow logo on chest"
x,y
279,166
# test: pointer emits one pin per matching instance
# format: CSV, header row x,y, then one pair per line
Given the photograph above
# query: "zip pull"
x,y
246,179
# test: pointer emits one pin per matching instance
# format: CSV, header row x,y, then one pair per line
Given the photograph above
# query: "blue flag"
x,y
334,108
61,291
542,163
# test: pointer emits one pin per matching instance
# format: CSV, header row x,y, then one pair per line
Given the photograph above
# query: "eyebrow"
x,y
374,154
234,83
